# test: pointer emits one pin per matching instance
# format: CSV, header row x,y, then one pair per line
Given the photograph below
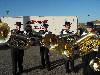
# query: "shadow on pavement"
x,y
54,64
78,67
33,68
57,63
4,47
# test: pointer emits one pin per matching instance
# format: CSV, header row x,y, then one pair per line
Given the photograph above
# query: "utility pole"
x,y
77,23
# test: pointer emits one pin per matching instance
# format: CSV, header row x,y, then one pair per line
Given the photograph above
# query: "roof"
x,y
97,22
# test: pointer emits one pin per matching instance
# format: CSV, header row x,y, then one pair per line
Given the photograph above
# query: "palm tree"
x,y
7,12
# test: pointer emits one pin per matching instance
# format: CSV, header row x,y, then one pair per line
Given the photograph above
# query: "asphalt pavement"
x,y
32,63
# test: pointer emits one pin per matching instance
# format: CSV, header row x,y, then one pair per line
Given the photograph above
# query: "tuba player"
x,y
17,54
86,58
68,62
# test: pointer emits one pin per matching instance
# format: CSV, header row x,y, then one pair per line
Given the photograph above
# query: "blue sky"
x,y
81,8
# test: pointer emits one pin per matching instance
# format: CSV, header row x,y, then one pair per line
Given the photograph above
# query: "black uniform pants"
x,y
69,63
86,60
17,60
44,57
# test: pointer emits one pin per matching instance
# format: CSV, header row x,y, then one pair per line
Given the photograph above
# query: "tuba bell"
x,y
95,64
4,32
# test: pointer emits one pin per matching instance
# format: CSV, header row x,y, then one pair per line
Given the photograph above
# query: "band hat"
x,y
18,23
67,24
90,25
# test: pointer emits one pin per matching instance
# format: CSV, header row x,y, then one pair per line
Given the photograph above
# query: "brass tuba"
x,y
95,64
20,41
4,32
13,40
87,43
61,46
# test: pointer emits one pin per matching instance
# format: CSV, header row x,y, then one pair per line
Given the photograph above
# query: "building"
x,y
97,25
55,22
11,21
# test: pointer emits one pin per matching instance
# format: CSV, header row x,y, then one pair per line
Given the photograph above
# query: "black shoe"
x,y
68,71
49,69
74,70
21,71
18,73
42,67
14,73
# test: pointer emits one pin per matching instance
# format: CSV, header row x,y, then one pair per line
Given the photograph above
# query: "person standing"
x,y
68,62
86,58
44,52
17,54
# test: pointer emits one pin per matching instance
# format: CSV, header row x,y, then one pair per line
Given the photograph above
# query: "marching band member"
x,y
28,30
17,54
44,52
67,28
68,62
86,58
